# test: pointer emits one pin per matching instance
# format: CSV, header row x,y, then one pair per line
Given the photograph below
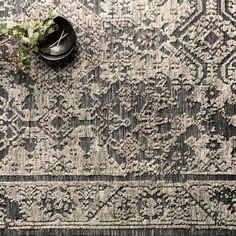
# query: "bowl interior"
x,y
58,57
67,34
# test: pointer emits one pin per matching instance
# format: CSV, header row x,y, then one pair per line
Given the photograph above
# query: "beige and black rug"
x,y
136,135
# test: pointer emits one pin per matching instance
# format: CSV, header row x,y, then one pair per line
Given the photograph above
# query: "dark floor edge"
x,y
172,178
123,232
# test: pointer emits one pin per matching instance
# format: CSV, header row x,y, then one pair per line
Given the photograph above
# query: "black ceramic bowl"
x,y
63,49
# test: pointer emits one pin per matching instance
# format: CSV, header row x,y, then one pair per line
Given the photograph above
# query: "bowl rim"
x,y
65,54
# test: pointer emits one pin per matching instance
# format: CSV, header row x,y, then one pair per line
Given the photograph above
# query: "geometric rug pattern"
x,y
137,131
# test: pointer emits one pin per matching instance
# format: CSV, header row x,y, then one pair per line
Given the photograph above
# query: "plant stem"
x,y
4,41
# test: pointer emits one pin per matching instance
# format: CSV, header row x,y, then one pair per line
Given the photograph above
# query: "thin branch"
x,y
5,41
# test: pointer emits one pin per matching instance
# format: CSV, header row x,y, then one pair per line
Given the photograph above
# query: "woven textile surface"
x,y
135,135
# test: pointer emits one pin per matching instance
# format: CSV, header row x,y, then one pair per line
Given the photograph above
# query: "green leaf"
x,y
45,50
26,40
52,13
51,30
3,29
30,32
11,24
35,36
36,49
50,22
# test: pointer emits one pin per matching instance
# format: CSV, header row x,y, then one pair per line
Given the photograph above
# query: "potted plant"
x,y
53,39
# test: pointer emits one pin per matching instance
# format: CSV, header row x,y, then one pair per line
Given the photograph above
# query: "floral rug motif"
x,y
137,132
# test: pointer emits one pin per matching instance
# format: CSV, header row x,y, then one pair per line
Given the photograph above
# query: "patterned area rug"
x,y
136,135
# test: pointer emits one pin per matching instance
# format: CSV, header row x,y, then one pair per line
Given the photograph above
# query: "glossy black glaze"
x,y
66,46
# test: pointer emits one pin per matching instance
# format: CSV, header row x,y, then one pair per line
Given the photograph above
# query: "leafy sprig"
x,y
24,37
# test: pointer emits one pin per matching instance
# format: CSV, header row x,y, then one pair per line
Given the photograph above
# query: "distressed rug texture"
x,y
136,135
